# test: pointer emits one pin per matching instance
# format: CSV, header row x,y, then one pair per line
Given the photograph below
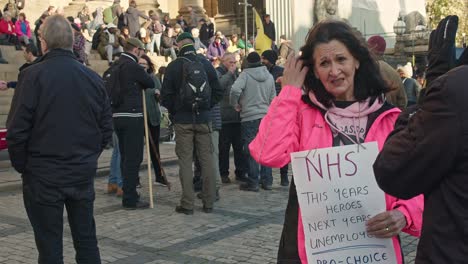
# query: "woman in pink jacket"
x,y
341,102
23,30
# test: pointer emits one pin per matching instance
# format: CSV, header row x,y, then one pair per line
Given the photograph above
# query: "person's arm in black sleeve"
x,y
217,92
21,122
143,77
274,31
105,122
12,84
417,155
168,90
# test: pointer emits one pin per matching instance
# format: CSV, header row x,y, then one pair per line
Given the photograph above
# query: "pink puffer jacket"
x,y
291,125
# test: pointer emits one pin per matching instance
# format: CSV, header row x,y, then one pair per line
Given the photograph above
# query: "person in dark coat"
x,y
269,29
192,127
168,44
153,95
132,17
206,32
128,120
396,94
230,133
56,157
182,22
427,153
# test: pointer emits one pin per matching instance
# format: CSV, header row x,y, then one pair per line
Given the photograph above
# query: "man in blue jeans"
x,y
58,158
115,182
251,95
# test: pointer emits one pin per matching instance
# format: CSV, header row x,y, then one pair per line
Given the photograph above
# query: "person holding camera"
x,y
217,47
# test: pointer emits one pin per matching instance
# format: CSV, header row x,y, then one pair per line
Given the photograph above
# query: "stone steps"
x,y
12,55
9,72
75,6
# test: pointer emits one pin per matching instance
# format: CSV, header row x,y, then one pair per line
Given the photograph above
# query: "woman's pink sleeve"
x,y
17,29
278,134
413,211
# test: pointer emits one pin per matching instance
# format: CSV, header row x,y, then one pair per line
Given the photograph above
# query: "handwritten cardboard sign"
x,y
337,194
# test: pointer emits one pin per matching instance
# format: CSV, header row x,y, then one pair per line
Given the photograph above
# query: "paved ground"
x,y
244,227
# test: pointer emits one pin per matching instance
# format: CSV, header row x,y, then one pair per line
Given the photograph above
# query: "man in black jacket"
x,y
192,127
427,153
59,122
269,29
128,120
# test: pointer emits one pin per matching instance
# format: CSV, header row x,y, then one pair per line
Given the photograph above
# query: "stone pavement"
x,y
245,227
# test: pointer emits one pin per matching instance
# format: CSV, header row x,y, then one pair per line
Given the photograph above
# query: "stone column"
x,y
211,7
192,16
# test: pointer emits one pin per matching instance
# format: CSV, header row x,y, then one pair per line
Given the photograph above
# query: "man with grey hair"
x,y
58,158
199,46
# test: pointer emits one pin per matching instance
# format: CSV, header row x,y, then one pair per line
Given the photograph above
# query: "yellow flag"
x,y
262,41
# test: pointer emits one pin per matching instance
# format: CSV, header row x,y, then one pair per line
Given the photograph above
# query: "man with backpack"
x,y
190,89
124,82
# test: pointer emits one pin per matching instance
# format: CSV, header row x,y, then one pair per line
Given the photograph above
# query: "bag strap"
x,y
187,59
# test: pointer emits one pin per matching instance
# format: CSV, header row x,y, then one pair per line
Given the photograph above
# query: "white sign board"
x,y
337,194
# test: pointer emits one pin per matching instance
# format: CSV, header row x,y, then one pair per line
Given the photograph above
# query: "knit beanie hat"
x,y
377,45
185,35
253,60
270,56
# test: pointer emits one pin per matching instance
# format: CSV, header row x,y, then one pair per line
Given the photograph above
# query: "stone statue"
x,y
412,20
324,9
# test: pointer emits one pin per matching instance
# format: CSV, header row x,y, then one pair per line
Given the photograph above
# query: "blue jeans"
x,y
249,130
115,173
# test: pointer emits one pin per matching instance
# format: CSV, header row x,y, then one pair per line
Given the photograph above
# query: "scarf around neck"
x,y
348,124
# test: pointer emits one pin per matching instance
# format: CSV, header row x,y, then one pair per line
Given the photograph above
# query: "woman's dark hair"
x,y
151,68
367,79
162,70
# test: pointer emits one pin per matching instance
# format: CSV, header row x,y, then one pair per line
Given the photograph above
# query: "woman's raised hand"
x,y
294,72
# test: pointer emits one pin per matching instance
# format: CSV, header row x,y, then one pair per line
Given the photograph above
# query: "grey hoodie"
x,y
253,90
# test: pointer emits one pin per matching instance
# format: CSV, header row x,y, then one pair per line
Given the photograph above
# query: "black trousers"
x,y
44,207
230,134
284,170
154,153
130,131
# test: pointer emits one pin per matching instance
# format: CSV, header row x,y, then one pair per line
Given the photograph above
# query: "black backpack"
x,y
111,79
195,91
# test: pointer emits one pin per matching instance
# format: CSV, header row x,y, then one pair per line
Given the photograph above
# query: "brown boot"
x,y
119,192
111,188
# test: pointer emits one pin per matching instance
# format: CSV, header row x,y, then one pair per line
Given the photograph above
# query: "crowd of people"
x,y
220,93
